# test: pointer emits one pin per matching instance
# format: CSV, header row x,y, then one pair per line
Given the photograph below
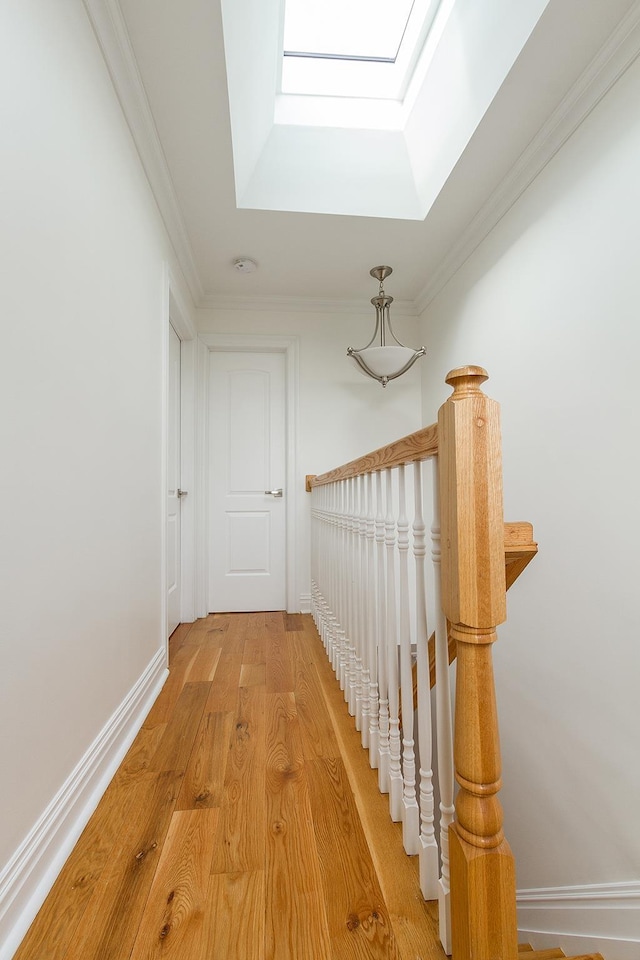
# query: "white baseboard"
x,y
305,603
27,878
583,919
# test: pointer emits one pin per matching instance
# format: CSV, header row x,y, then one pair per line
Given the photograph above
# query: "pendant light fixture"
x,y
384,358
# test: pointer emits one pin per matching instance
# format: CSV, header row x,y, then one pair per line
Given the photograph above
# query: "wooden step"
x,y
528,953
550,954
585,956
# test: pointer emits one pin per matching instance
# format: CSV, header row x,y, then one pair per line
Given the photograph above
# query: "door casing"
x,y
252,344
175,313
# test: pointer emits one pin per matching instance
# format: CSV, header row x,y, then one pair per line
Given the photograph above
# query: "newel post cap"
x,y
466,380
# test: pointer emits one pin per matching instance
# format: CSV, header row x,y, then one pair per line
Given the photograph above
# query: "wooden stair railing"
x,y
480,557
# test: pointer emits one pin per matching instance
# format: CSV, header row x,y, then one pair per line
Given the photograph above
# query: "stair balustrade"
x,y
389,648
376,601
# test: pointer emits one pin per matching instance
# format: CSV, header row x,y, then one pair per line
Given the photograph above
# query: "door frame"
x,y
249,343
176,314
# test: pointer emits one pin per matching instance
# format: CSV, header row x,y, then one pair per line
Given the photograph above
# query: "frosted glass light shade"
x,y
386,361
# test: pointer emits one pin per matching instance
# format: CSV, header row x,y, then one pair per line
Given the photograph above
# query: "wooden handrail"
x,y
416,446
519,549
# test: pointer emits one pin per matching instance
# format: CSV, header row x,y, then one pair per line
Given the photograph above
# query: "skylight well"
x,y
364,107
353,48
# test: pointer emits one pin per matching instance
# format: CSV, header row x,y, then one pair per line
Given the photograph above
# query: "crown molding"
x,y
610,63
401,308
111,32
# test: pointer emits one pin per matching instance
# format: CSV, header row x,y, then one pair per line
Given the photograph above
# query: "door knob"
x,y
274,493
182,493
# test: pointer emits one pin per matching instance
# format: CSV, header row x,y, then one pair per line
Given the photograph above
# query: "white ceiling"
x,y
168,64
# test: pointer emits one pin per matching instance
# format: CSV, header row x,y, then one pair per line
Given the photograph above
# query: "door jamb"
x,y
175,313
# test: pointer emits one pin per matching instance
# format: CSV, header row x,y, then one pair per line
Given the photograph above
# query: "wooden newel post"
x,y
483,904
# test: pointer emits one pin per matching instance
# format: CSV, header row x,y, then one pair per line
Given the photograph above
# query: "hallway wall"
x,y
83,254
549,304
342,413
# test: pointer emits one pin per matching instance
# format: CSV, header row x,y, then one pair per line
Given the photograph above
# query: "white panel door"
x,y
247,461
173,484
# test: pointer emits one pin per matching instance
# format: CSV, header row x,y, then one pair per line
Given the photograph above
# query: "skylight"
x,y
355,30
353,48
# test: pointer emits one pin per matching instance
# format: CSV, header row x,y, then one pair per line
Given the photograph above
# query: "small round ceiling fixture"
x,y
245,265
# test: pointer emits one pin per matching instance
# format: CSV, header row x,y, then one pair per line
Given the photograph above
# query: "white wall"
x,y
82,255
550,305
342,413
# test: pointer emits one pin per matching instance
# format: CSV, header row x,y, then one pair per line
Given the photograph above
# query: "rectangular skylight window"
x,y
353,48
346,29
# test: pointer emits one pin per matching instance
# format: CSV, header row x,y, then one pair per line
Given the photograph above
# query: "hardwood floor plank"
x,y
110,923
178,638
203,668
235,917
254,644
296,921
279,676
224,688
140,754
55,926
203,783
299,646
359,924
173,924
178,672
252,675
293,622
210,631
318,737
179,737
240,838
414,922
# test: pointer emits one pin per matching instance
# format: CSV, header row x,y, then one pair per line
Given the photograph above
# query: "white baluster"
x,y
324,602
344,585
395,771
357,546
314,555
362,699
318,532
350,690
383,719
444,728
331,552
338,651
372,633
428,845
411,815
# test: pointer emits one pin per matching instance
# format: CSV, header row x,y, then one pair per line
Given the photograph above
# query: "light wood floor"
x,y
244,823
